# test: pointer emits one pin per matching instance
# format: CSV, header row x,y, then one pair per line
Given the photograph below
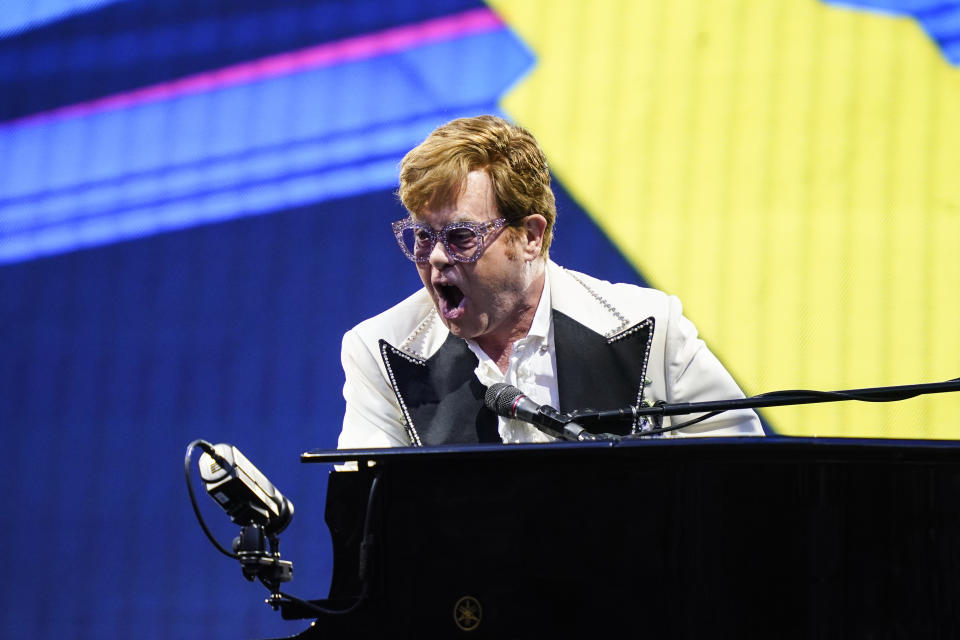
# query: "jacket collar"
x,y
575,297
601,362
570,293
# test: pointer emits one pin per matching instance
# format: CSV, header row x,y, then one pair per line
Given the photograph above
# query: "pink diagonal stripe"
x,y
328,54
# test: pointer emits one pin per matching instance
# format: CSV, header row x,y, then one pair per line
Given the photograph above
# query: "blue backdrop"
x,y
194,207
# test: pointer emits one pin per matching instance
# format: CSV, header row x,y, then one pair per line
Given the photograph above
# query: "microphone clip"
x,y
259,561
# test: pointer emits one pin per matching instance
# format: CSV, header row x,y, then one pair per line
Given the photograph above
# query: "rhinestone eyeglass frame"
x,y
479,229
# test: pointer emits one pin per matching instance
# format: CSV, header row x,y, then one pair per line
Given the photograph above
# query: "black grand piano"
x,y
659,538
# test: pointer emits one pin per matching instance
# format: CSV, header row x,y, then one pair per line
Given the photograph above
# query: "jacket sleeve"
x,y
372,418
694,374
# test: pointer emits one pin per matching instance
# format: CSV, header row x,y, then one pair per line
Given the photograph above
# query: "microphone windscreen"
x,y
500,398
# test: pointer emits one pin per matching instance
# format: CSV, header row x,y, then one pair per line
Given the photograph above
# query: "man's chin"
x,y
453,326
458,328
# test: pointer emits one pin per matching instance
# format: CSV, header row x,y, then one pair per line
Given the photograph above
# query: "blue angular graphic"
x,y
939,18
21,15
279,143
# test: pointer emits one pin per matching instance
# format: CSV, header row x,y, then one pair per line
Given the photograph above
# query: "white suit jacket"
x,y
410,382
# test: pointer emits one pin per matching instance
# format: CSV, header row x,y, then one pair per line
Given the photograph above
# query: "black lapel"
x,y
598,372
441,398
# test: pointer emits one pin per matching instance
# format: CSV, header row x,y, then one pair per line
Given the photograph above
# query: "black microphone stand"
x,y
593,417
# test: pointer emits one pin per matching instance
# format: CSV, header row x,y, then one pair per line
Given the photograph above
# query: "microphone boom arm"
x,y
771,399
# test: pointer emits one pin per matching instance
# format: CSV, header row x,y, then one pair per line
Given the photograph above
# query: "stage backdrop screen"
x,y
195,200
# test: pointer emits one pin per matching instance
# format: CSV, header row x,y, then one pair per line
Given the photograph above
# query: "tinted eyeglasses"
x,y
464,240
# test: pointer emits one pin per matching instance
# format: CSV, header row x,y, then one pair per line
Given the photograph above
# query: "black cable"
x,y
798,393
805,396
322,610
367,524
673,427
208,449
367,541
876,396
694,421
365,544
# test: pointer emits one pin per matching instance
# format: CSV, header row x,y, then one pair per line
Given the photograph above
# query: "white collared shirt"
x,y
532,369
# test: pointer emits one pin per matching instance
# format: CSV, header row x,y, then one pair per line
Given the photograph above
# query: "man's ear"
x,y
534,227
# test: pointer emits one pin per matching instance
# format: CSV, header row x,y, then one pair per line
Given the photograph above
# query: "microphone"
x,y
509,402
243,492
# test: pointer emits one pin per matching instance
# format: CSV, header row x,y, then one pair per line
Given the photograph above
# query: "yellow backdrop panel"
x,y
790,169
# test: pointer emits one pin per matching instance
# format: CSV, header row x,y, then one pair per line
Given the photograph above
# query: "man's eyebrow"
x,y
462,217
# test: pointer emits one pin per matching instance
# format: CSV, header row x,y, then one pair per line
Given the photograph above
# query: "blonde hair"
x,y
433,174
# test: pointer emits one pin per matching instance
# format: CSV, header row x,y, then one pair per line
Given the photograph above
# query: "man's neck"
x,y
499,346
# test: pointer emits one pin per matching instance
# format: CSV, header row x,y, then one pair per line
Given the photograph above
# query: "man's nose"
x,y
439,256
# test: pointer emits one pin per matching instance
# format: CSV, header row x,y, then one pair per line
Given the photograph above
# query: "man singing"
x,y
495,308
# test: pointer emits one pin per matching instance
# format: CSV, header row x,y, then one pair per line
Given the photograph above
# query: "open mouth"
x,y
451,301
